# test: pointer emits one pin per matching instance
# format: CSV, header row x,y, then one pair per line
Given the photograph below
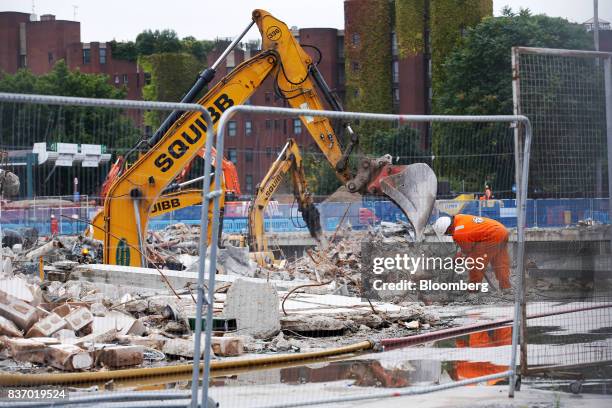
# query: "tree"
x,y
22,125
404,142
172,75
477,80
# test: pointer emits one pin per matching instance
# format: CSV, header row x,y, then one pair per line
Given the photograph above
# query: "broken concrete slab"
x,y
103,336
227,346
318,323
254,305
47,326
122,322
22,290
149,277
68,357
154,340
122,356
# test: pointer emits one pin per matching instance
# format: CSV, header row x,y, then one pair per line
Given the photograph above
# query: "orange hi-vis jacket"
x,y
487,239
469,230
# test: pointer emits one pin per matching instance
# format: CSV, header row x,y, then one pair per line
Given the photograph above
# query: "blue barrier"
x,y
285,218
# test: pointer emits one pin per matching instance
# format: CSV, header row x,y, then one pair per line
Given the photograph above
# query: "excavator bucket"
x,y
414,190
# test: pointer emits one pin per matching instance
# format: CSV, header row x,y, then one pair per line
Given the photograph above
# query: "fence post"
x,y
608,85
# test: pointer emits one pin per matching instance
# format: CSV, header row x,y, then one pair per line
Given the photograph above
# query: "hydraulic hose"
x,y
8,380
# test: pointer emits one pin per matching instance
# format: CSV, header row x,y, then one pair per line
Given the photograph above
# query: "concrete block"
x,y
227,346
62,310
65,335
68,357
182,347
26,350
8,328
154,341
79,318
19,312
254,305
122,356
47,326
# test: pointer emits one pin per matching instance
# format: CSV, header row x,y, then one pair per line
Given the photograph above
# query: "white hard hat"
x,y
441,225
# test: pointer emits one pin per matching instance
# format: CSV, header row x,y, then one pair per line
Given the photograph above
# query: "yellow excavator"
x,y
296,78
289,161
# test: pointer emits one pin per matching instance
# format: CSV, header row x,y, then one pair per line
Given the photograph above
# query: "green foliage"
x,y
172,75
155,42
449,19
124,50
320,176
477,80
403,142
368,84
151,42
22,125
410,26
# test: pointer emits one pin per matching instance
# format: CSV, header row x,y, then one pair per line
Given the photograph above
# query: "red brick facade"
x,y
38,45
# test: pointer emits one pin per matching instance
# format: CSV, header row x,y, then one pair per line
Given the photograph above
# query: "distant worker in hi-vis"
x,y
479,237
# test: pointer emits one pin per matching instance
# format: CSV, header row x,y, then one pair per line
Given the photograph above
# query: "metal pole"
x,y
212,263
608,90
231,46
203,247
596,24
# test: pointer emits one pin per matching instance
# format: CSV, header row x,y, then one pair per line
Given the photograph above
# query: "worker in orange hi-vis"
x,y
479,237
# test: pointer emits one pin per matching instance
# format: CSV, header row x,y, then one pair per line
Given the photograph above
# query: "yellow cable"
x,y
23,380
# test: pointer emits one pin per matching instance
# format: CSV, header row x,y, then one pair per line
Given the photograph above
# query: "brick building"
x,y
26,42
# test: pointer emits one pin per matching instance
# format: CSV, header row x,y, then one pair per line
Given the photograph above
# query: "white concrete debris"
x,y
254,305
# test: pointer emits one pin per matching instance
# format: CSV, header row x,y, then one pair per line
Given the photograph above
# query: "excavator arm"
x,y
131,197
289,161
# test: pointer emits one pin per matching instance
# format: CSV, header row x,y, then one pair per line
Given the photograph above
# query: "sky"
x,y
204,19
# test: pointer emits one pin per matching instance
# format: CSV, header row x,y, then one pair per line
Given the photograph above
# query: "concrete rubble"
x,y
88,316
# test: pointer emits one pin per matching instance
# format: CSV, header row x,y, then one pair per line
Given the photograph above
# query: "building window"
x,y
268,124
284,126
22,61
355,66
102,55
86,55
297,126
268,96
148,131
248,155
356,39
147,78
268,151
125,78
276,124
50,56
117,79
232,155
340,47
231,128
396,95
248,127
248,181
395,71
